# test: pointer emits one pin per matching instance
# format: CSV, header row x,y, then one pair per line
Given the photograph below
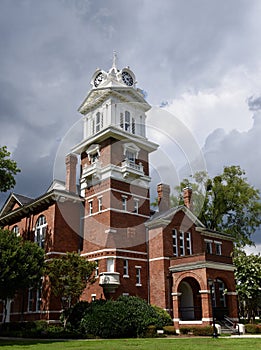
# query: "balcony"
x,y
129,167
109,281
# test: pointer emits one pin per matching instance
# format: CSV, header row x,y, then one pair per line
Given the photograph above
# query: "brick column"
x,y
175,300
232,301
206,301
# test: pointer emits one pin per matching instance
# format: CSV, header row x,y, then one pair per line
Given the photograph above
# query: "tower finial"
x,y
114,60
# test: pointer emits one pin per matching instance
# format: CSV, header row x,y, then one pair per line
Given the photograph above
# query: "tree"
x,y
21,265
248,278
69,276
8,168
227,203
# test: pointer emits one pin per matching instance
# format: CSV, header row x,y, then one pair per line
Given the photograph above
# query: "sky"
x,y
198,61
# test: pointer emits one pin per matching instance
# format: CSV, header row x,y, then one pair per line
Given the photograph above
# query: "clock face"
x,y
98,79
127,78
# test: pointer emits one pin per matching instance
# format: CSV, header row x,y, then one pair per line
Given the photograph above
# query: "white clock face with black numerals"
x,y
127,78
98,79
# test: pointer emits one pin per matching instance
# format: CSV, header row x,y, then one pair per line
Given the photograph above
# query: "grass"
x,y
136,344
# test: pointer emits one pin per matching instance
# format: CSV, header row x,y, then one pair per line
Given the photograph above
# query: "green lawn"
x,y
137,344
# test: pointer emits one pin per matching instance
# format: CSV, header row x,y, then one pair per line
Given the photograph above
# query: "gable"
x,y
13,202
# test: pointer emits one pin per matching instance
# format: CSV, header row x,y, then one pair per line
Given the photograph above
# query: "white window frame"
x,y
30,301
15,230
40,231
110,264
218,248
126,268
181,243
136,206
96,272
93,297
90,207
188,243
99,204
138,276
39,297
208,243
175,242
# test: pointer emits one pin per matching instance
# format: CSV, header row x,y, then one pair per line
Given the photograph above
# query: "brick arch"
x,y
184,275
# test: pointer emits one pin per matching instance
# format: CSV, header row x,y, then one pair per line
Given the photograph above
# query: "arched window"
x,y
40,230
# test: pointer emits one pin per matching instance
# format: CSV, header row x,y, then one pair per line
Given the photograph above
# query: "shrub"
x,y
253,328
169,330
125,317
164,317
150,332
202,331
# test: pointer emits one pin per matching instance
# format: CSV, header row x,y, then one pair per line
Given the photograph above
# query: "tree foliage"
x,y
69,276
8,168
226,203
248,278
21,264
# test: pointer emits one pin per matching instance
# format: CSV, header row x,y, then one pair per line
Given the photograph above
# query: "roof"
x,y
14,198
165,217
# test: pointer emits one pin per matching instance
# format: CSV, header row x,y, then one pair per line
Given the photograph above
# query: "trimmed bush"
x,y
200,331
169,330
125,317
253,328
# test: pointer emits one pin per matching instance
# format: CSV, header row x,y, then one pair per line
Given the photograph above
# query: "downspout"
x,y
148,263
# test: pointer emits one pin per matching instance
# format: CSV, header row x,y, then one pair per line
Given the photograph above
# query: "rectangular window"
x,y
130,156
127,121
30,299
218,247
138,276
100,204
136,206
98,121
110,265
121,120
90,207
39,298
175,242
93,126
208,247
125,268
188,243
124,203
93,297
181,243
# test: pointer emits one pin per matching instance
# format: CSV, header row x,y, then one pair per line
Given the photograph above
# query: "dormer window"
x,y
93,153
131,152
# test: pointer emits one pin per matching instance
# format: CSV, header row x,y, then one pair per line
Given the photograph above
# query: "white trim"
x,y
159,258
204,291
110,230
231,293
137,267
117,211
201,265
114,250
126,276
207,319
138,285
116,257
58,253
208,240
176,294
190,322
115,190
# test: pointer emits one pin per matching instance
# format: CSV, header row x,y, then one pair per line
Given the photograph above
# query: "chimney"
x,y
71,162
187,196
163,197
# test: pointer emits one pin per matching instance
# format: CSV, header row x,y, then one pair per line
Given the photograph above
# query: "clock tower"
x,y
114,182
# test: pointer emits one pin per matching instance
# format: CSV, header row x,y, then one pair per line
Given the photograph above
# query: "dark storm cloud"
x,y
254,103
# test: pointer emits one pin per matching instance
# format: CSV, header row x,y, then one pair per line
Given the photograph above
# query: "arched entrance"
x,y
189,300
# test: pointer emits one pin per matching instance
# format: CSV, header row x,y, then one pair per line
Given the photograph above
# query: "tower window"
x,y
96,272
125,122
40,230
110,265
136,206
138,276
126,268
100,204
133,126
99,121
130,156
124,203
90,207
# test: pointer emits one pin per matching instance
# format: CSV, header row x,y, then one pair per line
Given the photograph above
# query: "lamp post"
x,y
211,284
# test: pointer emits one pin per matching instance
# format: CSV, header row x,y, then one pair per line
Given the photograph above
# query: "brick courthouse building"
x,y
168,258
